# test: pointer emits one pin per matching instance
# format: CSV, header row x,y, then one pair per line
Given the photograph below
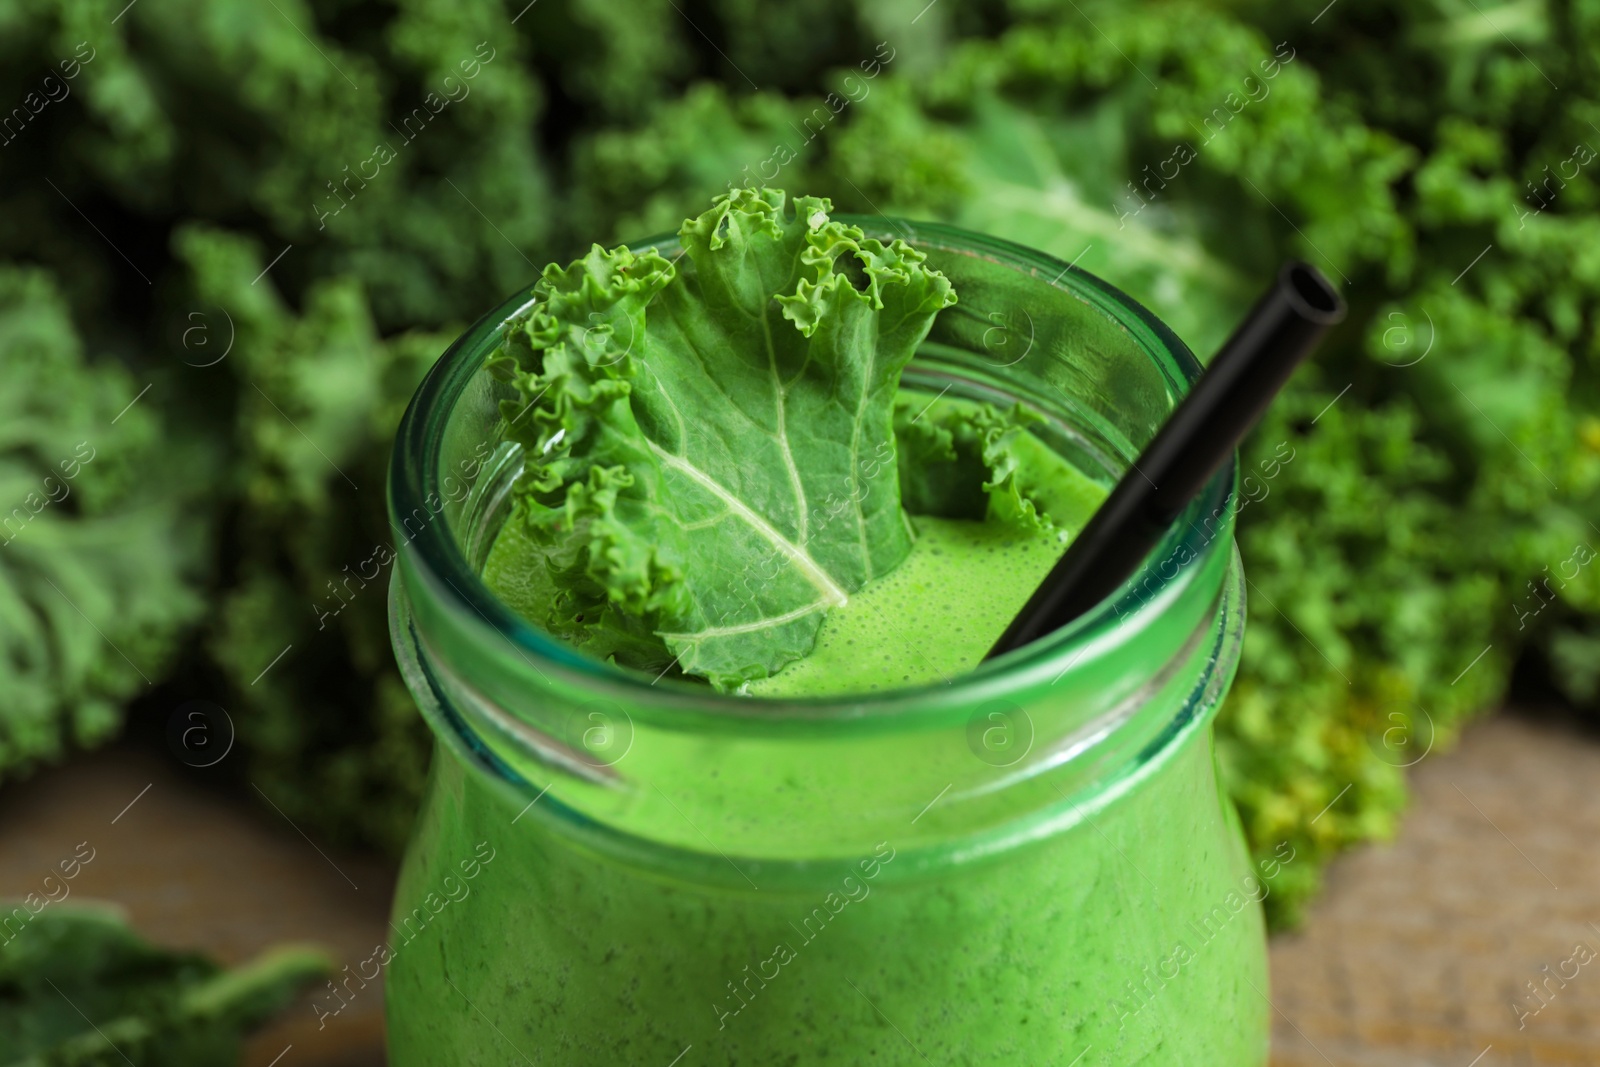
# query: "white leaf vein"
x,y
810,568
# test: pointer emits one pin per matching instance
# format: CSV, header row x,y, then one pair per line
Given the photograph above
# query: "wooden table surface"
x,y
1418,954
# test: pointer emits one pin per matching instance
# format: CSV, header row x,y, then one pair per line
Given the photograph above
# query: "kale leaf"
x,y
710,442
961,459
72,963
98,572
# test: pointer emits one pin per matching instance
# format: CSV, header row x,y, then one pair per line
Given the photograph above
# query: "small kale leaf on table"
x,y
78,988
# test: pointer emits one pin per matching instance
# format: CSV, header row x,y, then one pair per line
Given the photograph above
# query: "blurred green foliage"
x,y
277,178
70,963
100,570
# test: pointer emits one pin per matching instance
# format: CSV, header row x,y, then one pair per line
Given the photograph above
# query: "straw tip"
x,y
1311,295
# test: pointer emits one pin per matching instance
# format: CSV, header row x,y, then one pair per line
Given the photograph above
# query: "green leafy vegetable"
x,y
332,733
99,576
693,425
78,988
964,460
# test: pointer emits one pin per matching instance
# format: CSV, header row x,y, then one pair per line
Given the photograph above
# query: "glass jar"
x,y
1030,864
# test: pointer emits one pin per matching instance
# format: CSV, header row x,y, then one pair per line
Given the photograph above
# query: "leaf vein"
x,y
810,568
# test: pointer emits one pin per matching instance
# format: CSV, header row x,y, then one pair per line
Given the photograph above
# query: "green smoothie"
x,y
723,528
560,956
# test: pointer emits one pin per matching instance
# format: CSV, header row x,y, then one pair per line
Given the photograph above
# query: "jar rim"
x,y
435,556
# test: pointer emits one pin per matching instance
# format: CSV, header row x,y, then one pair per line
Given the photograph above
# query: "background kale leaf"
x,y
332,735
74,962
100,568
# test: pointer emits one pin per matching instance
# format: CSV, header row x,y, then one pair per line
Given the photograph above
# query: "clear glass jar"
x,y
1029,864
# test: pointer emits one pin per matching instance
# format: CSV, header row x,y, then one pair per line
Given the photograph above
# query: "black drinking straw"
x,y
1230,397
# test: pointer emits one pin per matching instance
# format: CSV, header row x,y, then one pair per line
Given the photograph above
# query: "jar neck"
x,y
955,771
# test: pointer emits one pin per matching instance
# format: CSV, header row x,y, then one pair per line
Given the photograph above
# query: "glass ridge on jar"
x,y
1030,863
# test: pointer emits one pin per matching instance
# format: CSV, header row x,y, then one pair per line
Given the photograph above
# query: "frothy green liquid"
x,y
931,618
